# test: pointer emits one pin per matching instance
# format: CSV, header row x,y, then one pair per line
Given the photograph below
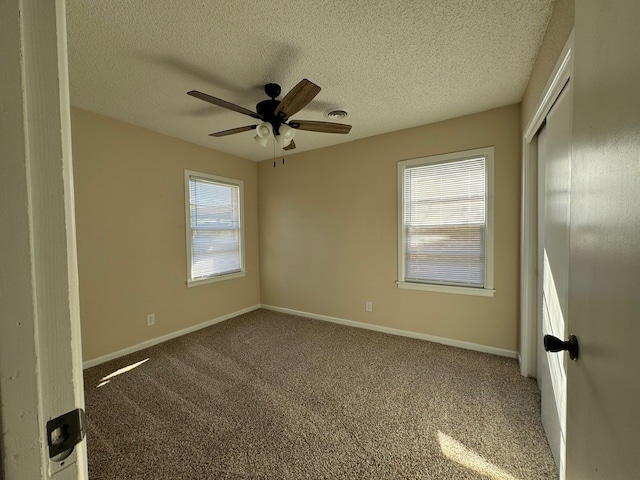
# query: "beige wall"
x,y
328,232
558,30
129,188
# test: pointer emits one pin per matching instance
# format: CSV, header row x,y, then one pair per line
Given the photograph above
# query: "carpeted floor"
x,y
272,396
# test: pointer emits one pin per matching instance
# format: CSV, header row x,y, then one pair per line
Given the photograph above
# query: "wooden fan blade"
x,y
297,98
224,133
291,146
324,127
223,104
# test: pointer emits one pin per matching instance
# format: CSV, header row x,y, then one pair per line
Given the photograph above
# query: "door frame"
x,y
560,75
40,345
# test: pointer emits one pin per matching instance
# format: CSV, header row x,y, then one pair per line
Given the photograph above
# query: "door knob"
x,y
554,344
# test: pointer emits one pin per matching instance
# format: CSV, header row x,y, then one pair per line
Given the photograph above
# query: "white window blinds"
x,y
215,229
444,210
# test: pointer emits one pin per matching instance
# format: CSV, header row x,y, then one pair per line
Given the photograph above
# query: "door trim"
x,y
561,74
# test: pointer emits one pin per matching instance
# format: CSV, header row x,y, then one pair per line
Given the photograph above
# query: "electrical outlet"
x,y
368,306
151,319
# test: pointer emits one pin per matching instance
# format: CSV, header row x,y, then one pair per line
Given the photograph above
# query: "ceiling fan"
x,y
275,115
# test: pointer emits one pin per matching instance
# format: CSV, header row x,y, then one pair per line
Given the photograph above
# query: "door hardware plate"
x,y
65,432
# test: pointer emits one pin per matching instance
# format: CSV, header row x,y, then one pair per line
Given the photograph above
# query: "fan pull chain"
x,y
274,155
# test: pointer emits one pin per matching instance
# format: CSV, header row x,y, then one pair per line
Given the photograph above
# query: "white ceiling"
x,y
393,64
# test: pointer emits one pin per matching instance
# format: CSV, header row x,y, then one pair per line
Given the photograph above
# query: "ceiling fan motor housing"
x,y
266,108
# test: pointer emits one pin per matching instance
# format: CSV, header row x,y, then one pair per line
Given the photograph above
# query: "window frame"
x,y
188,174
488,289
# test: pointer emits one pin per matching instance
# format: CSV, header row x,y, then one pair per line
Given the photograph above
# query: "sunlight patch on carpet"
x,y
457,452
107,379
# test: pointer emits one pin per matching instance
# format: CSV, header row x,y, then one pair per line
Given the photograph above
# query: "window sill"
x,y
480,292
217,278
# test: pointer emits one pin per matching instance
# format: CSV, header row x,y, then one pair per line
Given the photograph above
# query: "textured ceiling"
x,y
392,64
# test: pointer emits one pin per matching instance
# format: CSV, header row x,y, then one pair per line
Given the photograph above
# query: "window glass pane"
x,y
213,205
215,228
214,252
444,222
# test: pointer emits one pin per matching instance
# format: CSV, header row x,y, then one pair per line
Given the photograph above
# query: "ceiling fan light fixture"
x,y
264,130
261,141
282,141
287,132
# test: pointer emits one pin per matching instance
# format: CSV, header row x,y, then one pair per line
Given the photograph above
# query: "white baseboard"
x,y
351,323
164,338
403,333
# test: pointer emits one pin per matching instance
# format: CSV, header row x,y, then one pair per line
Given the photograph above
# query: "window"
x,y
445,223
215,236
